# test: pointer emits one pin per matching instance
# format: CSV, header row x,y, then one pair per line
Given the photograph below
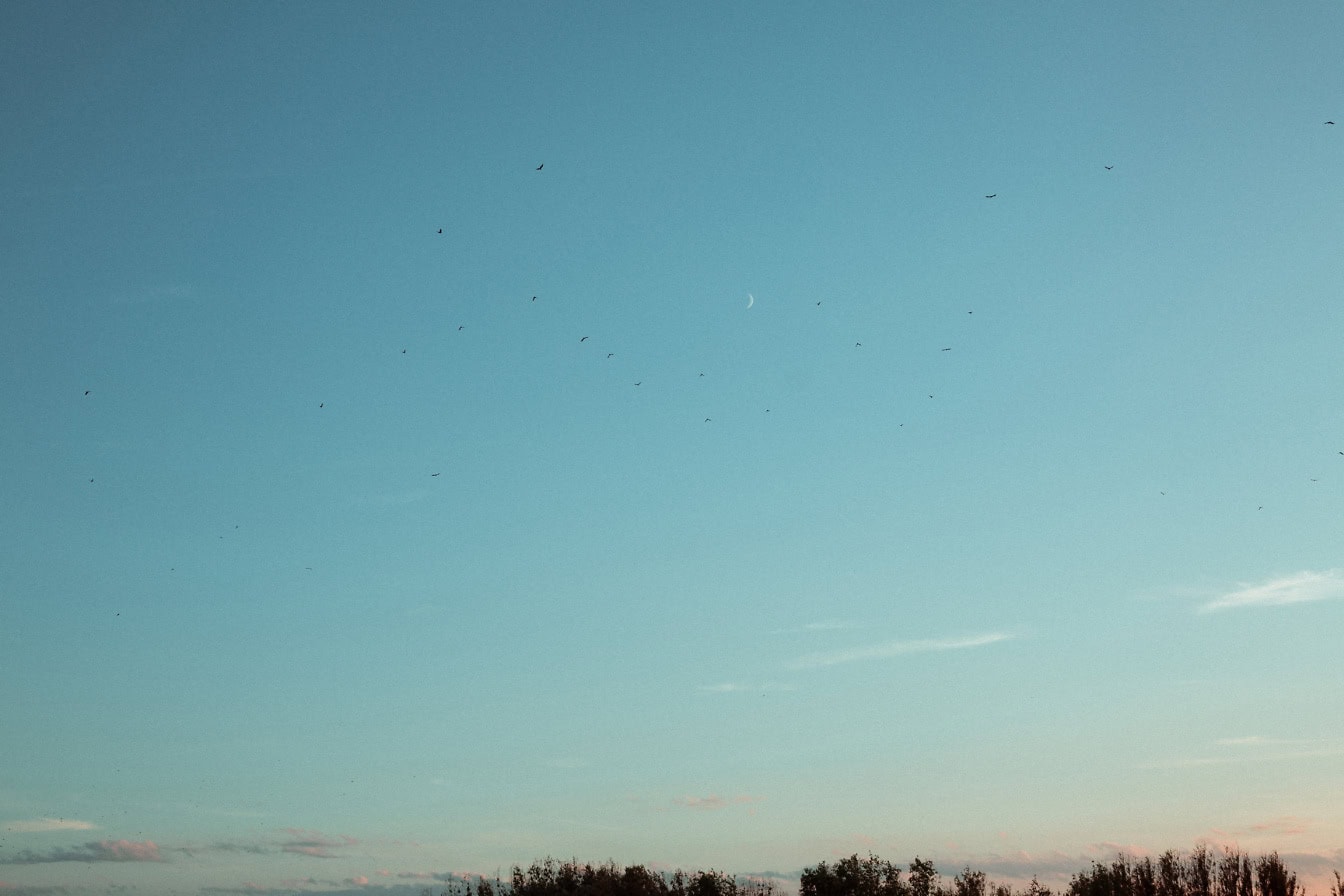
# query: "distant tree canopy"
x,y
549,877
1200,873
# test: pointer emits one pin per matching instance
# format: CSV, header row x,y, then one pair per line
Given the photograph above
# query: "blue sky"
x,y
817,504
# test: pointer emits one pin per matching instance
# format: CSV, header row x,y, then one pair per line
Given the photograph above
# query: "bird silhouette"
x,y
582,339
990,195
947,349
321,404
541,166
858,344
440,230
534,298
403,351
86,391
611,354
640,383
706,420
460,328
433,474
1329,122
1108,167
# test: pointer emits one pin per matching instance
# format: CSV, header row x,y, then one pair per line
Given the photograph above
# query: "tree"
x,y
854,877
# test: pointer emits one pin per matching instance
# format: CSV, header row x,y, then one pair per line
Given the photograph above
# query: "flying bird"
x,y
947,349
858,344
990,195
583,338
706,420
640,383
403,351
86,391
440,230
541,166
534,298
1108,167
321,404
610,354
1329,122
433,474
460,328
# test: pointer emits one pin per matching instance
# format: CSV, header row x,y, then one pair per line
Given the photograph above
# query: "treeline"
x,y
1202,872
551,878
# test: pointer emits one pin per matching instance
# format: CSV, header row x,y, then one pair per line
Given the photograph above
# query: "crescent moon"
x,y
751,300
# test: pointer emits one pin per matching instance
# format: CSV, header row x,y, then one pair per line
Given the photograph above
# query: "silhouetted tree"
x,y
853,877
969,883
1273,877
923,877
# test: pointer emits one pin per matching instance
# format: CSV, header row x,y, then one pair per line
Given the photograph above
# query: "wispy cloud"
x,y
43,825
826,625
736,687
896,648
314,843
96,851
714,801
1250,749
1302,587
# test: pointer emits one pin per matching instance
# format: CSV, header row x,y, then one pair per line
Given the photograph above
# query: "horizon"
x,y
727,436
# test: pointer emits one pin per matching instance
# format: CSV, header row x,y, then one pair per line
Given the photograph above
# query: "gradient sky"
x,y
818,504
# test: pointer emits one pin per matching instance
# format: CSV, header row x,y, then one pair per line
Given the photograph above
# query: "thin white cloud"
x,y
1302,587
826,625
735,687
896,648
43,825
1242,750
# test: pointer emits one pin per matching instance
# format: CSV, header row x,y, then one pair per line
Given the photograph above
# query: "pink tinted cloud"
x,y
95,851
314,843
714,801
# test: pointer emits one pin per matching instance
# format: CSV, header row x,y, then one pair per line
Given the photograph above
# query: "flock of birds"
x,y
750,301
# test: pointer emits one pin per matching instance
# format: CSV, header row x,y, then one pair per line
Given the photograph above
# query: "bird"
x,y
541,166
440,230
86,391
702,374
321,404
947,349
1329,122
858,344
433,474
534,298
1108,167
640,383
583,339
990,195
611,354
460,329
403,351
706,419
818,304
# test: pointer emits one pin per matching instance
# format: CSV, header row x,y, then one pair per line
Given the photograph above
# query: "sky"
x,y
707,435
